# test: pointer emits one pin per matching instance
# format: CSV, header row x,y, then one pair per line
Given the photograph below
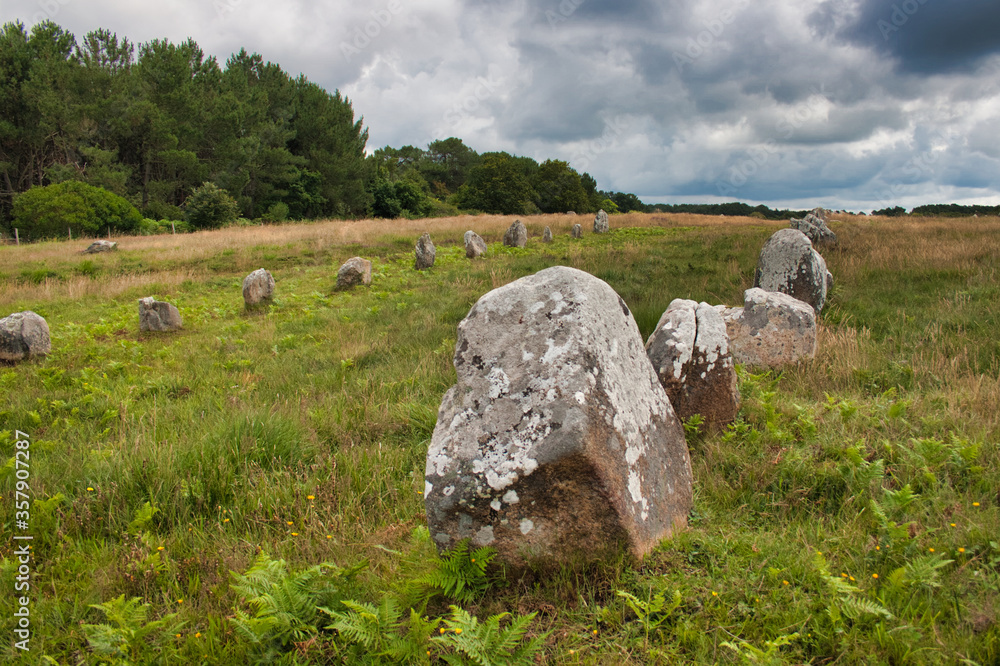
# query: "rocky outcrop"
x,y
601,223
425,253
516,235
23,335
475,246
814,226
557,445
788,264
100,246
770,330
258,288
690,352
353,273
158,316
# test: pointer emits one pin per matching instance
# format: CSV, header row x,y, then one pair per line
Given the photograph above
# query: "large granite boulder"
x,y
158,316
516,235
23,334
557,445
577,231
425,252
770,330
475,246
100,246
601,223
690,352
789,264
354,272
258,288
814,226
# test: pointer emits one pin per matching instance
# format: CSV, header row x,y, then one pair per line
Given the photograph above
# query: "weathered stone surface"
x,y
355,271
690,352
258,288
815,228
516,235
23,334
100,246
475,246
601,224
789,264
547,235
770,330
425,252
158,316
577,231
558,444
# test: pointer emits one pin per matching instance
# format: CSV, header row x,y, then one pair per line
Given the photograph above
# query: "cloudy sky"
x,y
855,104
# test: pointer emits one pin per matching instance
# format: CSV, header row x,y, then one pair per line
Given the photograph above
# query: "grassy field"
x,y
198,496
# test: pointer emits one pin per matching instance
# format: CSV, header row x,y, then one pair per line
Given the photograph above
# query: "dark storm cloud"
x,y
925,36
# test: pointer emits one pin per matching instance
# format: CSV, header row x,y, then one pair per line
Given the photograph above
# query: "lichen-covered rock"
x,y
577,231
258,288
425,252
601,224
788,264
770,330
355,271
100,246
23,334
557,445
547,235
475,246
690,352
816,229
158,316
516,235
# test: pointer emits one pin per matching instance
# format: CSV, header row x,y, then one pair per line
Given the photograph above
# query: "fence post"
x,y
70,231
173,229
17,238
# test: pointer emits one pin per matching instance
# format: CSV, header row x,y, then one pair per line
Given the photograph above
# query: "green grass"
x,y
162,465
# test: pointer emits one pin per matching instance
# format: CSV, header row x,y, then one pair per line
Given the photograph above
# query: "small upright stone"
x,y
100,246
557,445
547,235
355,271
475,246
23,334
158,316
788,264
577,231
601,224
258,288
770,330
425,252
690,352
516,235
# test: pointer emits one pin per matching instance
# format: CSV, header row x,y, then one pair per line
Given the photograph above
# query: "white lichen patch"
x,y
496,505
484,536
527,525
510,497
499,383
428,487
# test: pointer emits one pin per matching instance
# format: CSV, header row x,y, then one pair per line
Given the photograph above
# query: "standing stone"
x,y
547,235
577,231
258,288
355,271
100,246
516,235
23,334
158,316
601,224
815,228
770,330
690,352
789,264
557,445
475,246
425,252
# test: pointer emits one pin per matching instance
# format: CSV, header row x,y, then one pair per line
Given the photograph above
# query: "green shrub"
x,y
51,211
210,207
